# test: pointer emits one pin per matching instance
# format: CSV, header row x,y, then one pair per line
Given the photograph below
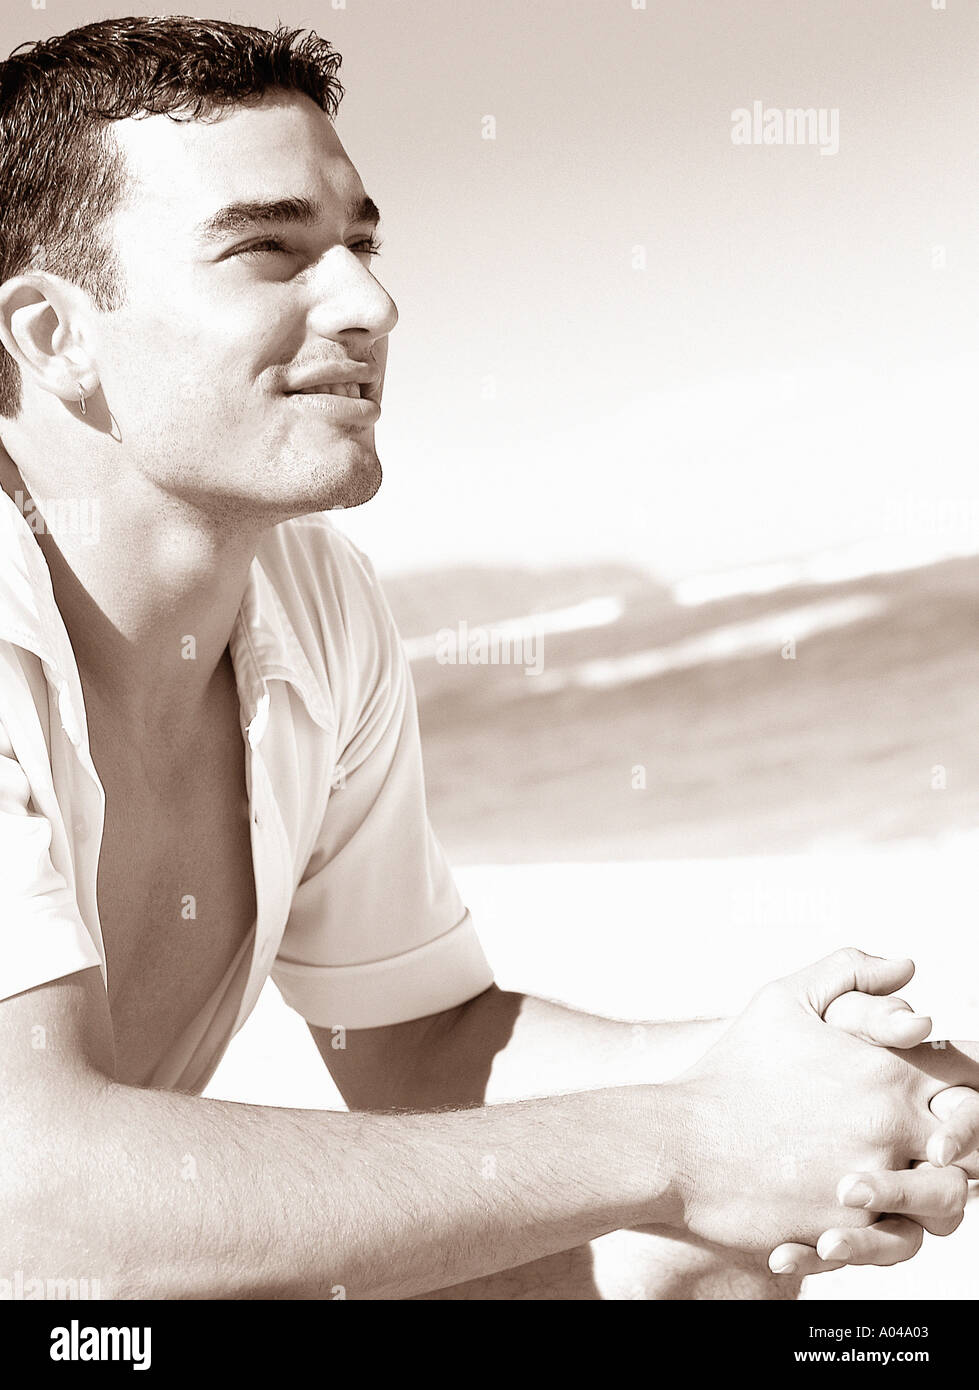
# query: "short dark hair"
x,y
60,177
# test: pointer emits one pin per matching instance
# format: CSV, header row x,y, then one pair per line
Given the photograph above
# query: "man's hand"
x,y
783,1103
927,1197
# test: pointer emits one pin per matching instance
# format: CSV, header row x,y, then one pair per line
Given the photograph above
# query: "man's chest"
x,y
176,892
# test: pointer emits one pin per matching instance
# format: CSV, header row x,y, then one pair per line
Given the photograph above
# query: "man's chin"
x,y
357,487
341,484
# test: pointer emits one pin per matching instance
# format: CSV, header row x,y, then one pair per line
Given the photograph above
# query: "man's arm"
x,y
161,1194
504,1045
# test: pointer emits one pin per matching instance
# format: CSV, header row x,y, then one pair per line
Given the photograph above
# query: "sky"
x,y
624,336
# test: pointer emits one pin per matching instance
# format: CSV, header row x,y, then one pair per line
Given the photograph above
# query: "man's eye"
x,y
258,247
369,246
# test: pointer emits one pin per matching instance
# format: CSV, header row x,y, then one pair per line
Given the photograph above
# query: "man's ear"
x,y
40,326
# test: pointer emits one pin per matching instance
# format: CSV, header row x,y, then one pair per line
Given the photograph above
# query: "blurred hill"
x,y
426,600
867,734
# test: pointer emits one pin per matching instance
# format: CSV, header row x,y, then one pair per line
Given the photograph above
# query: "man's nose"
x,y
350,299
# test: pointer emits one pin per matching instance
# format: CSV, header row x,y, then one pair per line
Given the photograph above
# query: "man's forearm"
x,y
158,1194
525,1046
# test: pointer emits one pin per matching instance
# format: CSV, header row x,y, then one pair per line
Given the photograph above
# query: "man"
x,y
210,772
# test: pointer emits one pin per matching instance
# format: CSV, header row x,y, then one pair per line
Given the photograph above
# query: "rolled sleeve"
x,y
426,980
42,934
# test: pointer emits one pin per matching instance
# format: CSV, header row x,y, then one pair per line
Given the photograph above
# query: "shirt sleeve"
x,y
378,933
42,934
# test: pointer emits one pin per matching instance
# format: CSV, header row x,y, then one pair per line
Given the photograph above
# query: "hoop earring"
x,y
81,399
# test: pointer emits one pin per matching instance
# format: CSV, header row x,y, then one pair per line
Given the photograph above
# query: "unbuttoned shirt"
x,y
359,922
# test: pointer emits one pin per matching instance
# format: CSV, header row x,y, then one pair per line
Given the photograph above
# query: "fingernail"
x,y
946,1152
789,1268
854,1193
907,1022
839,1250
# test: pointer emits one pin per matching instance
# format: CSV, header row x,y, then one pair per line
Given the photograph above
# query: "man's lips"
x,y
357,381
358,410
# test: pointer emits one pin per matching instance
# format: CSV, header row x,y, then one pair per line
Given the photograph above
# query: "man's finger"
x,y
957,1107
969,1163
887,1242
800,1260
846,970
884,1021
934,1197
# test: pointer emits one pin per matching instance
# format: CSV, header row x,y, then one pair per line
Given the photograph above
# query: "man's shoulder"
x,y
310,558
315,534
327,587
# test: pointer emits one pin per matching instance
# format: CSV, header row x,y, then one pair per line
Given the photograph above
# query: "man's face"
x,y
230,320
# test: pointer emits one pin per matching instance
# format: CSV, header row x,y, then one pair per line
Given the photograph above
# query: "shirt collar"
x,y
264,647
29,615
263,642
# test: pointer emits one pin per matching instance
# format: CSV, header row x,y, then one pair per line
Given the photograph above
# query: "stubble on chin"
x,y
342,487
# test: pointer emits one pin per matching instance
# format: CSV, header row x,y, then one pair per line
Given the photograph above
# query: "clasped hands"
x,y
821,1117
931,1194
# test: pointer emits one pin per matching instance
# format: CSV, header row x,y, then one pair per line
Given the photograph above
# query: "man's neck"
x,y
150,606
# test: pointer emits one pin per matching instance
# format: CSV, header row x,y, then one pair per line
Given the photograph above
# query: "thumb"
x,y
845,970
957,1108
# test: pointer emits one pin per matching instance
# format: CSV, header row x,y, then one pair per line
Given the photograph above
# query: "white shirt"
x,y
359,921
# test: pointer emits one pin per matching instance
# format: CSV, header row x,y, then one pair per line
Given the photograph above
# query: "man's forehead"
x,y
273,149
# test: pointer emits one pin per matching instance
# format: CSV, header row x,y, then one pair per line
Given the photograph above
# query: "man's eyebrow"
x,y
364,210
244,217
